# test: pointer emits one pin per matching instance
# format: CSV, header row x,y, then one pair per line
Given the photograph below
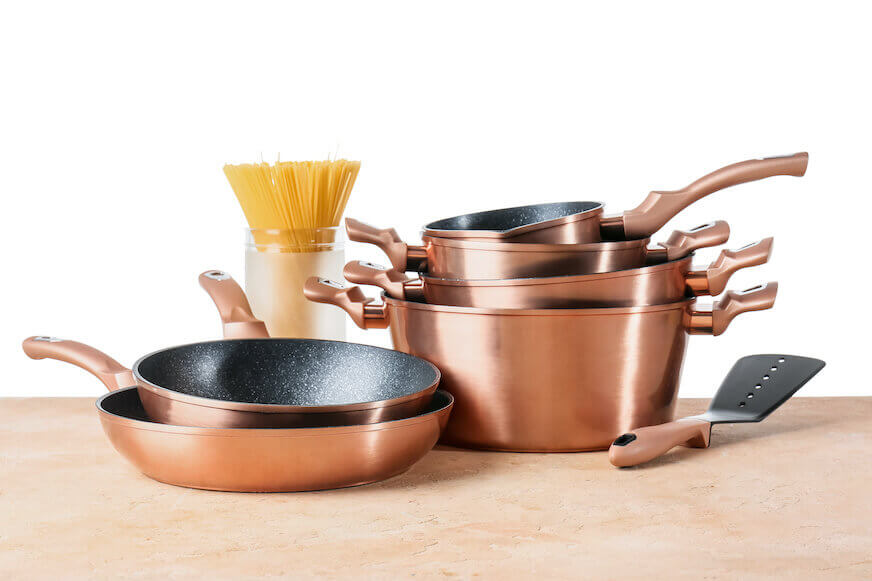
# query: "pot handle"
x,y
237,320
682,242
661,206
110,372
402,256
396,284
351,300
734,303
713,280
644,444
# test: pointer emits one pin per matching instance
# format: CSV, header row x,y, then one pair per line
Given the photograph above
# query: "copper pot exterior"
x,y
546,381
273,460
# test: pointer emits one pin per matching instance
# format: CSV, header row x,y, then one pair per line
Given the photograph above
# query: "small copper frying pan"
x,y
651,285
580,222
472,260
259,382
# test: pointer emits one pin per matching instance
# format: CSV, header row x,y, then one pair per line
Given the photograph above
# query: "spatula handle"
x,y
644,444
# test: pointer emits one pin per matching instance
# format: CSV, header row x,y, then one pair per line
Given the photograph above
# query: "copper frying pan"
x,y
269,459
259,383
579,222
651,285
472,260
548,380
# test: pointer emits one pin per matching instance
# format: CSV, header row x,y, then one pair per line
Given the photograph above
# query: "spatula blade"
x,y
757,385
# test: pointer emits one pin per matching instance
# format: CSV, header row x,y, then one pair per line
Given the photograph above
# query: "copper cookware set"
x,y
555,328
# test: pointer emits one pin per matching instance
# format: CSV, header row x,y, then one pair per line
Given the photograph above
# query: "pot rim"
x,y
534,247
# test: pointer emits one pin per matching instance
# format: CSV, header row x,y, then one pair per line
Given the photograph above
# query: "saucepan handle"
x,y
644,444
683,242
397,251
236,317
713,280
391,281
110,372
661,206
351,300
733,304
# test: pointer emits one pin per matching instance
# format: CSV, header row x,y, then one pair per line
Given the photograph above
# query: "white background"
x,y
117,118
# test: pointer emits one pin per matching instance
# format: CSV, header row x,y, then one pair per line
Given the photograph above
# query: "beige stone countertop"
x,y
790,497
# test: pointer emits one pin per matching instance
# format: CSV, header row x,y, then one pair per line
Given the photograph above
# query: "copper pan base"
x,y
269,460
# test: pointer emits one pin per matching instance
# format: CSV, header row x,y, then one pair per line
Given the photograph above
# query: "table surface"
x,y
791,496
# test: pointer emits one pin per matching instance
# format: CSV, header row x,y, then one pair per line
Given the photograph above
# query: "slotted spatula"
x,y
754,388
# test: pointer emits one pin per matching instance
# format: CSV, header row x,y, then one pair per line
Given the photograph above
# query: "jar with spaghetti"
x,y
277,264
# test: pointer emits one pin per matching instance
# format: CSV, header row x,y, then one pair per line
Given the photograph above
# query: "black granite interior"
x,y
126,404
304,372
508,218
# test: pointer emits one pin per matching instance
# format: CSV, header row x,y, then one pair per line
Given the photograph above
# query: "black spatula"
x,y
754,388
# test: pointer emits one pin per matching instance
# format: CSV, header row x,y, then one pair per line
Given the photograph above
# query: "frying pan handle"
x,y
713,280
110,372
644,444
402,256
734,303
661,206
236,317
351,300
396,284
682,242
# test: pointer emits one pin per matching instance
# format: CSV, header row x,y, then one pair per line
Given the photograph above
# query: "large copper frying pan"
x,y
579,222
259,383
472,260
548,380
269,459
651,285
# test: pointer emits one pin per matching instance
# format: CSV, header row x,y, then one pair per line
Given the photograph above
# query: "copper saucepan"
x,y
269,459
472,260
548,380
259,383
580,222
650,285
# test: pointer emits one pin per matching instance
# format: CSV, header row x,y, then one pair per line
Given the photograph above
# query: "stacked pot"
x,y
557,328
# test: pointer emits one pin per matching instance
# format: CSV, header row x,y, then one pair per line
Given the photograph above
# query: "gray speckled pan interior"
x,y
508,218
299,372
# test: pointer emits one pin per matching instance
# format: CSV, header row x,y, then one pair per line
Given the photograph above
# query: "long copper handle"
x,y
682,242
393,282
644,444
733,304
713,280
110,372
351,300
237,320
661,206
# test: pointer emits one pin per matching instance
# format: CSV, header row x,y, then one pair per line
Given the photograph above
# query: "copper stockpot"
x,y
580,222
548,380
269,459
259,382
471,260
651,285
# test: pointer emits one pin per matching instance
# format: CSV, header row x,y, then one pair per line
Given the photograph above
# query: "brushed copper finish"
x,y
656,210
272,460
472,260
660,283
551,380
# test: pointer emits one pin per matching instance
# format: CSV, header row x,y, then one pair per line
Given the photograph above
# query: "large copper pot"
x,y
580,222
474,260
548,380
650,285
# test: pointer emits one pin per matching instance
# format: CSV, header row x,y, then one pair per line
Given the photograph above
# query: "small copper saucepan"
x,y
580,222
472,260
666,282
262,382
548,380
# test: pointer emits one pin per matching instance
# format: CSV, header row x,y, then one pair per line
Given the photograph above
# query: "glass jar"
x,y
277,264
